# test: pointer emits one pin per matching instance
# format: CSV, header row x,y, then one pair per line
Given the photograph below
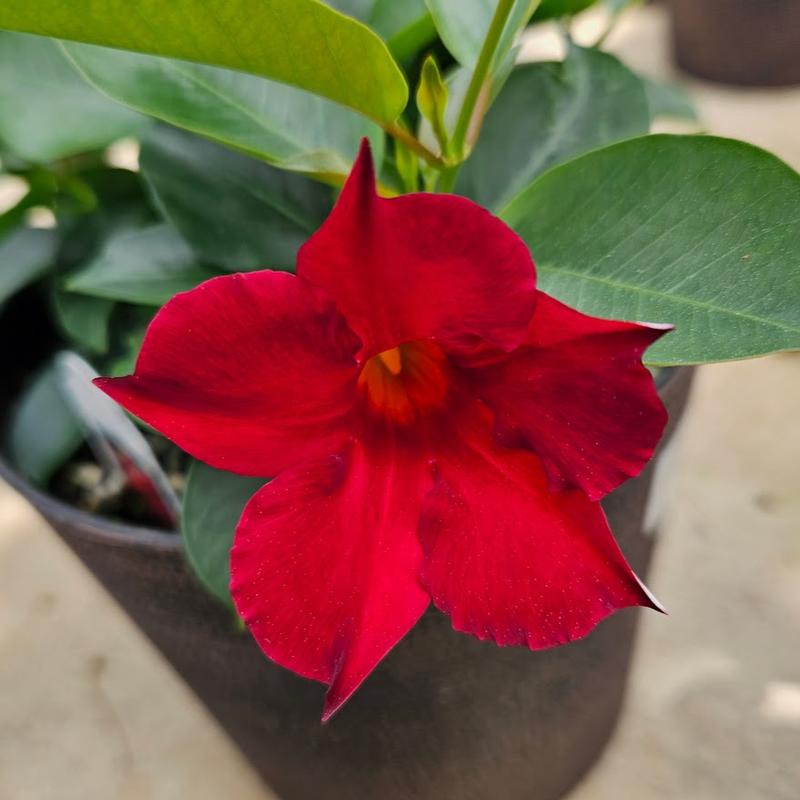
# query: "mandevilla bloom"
x,y
440,431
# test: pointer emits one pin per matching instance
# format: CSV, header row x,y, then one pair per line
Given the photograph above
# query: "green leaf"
x,y
463,25
212,504
406,26
84,319
548,113
259,215
43,433
280,124
457,81
48,111
699,232
553,9
128,326
25,255
146,266
669,100
432,100
300,42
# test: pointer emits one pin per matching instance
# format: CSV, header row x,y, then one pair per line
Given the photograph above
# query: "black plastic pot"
x,y
444,716
744,42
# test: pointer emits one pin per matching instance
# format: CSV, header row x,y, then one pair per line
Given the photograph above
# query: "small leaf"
x,y
212,504
146,266
696,231
300,42
548,113
48,111
463,25
25,255
432,100
84,319
274,122
259,215
43,432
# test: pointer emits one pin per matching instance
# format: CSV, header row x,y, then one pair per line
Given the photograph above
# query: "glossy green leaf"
x,y
300,42
47,111
84,319
146,266
278,123
463,24
25,255
212,505
699,232
548,113
405,25
258,217
553,9
43,433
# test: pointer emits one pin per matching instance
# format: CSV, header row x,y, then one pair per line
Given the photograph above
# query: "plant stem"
x,y
480,75
413,144
476,89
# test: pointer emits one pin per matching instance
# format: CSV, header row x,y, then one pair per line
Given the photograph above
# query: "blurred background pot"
x,y
444,716
744,42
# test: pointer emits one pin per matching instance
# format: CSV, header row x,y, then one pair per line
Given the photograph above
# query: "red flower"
x,y
440,430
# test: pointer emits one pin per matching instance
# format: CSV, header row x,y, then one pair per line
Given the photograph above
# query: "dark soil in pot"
x,y
444,716
744,42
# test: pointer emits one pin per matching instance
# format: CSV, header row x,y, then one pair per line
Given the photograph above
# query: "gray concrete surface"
x,y
88,711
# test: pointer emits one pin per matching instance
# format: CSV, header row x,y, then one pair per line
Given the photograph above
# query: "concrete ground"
x,y
88,711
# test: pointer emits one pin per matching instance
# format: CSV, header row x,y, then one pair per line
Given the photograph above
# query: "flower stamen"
x,y
405,381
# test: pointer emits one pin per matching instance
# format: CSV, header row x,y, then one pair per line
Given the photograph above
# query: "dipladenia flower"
x,y
438,428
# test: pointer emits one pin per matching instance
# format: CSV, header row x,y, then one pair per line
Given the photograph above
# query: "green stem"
x,y
479,75
477,87
413,144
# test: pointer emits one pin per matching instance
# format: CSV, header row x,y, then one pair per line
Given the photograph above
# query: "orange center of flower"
x,y
406,381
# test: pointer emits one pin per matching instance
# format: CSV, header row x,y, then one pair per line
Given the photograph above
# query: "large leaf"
x,y
43,432
278,123
300,42
48,111
234,211
406,26
84,319
548,113
212,505
25,255
146,266
700,232
463,25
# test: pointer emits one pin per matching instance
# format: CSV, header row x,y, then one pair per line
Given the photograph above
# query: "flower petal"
x,y
249,373
420,266
511,561
578,395
325,565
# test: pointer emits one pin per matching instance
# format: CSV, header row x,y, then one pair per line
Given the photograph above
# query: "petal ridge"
x,y
325,566
249,372
420,266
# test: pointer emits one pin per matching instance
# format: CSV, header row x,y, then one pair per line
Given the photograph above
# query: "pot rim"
x,y
100,528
